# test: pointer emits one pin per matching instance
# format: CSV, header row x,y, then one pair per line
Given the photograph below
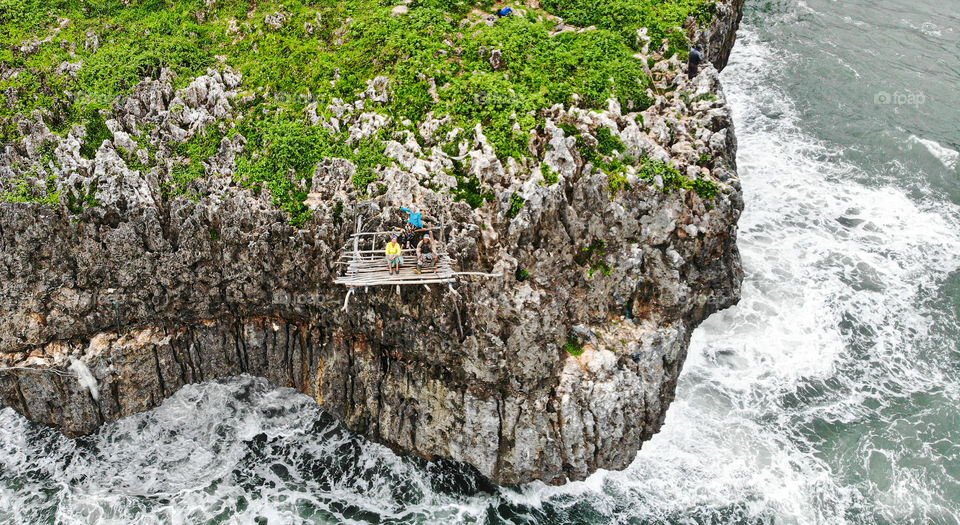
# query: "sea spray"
x,y
85,377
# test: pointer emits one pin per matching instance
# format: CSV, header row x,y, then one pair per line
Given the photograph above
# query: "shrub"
x,y
706,188
469,190
47,195
550,177
97,132
673,179
618,179
705,96
82,198
573,346
626,16
516,204
608,142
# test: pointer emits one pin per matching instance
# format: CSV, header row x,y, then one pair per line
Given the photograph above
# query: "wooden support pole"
x,y
456,307
356,239
443,242
346,302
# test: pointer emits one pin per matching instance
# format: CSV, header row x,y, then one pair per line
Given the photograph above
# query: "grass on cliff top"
x,y
325,50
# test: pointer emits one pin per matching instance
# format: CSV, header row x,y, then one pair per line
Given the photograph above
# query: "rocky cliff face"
x,y
116,299
719,36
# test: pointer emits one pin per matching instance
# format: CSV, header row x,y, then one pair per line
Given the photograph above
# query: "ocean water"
x,y
830,395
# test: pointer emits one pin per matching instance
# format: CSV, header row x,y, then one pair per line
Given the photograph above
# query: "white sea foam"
x,y
824,256
85,377
945,155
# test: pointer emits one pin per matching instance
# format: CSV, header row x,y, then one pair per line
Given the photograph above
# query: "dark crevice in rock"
x,y
163,387
24,408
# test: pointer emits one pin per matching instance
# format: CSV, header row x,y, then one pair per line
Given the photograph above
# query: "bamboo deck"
x,y
368,267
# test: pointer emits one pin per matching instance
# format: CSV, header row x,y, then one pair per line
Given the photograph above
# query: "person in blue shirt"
x,y
416,218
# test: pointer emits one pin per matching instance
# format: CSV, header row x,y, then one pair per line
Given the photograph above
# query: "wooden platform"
x,y
369,268
365,265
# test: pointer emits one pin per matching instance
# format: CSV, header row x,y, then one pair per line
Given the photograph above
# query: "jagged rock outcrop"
x,y
109,309
719,36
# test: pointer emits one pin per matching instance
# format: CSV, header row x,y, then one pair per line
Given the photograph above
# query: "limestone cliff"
x,y
109,308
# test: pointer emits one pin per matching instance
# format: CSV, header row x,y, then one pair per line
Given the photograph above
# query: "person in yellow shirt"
x,y
394,255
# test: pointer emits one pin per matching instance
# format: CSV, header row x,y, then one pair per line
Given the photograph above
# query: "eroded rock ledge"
x,y
136,297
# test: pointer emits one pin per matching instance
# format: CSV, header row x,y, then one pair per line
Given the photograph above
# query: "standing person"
x,y
693,64
394,254
416,218
426,254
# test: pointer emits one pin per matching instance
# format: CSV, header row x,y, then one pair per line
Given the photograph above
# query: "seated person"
x,y
426,254
394,255
406,238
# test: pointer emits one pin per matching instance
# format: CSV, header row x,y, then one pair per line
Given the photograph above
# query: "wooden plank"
x,y
361,253
395,283
363,281
383,264
356,240
408,269
408,276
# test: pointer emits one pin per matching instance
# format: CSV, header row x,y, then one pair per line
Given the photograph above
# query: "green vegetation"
x,y
705,96
338,213
608,142
674,180
705,188
550,177
522,274
618,179
468,187
573,346
97,132
516,204
199,148
600,155
593,256
81,199
23,192
627,16
288,150
601,267
325,50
